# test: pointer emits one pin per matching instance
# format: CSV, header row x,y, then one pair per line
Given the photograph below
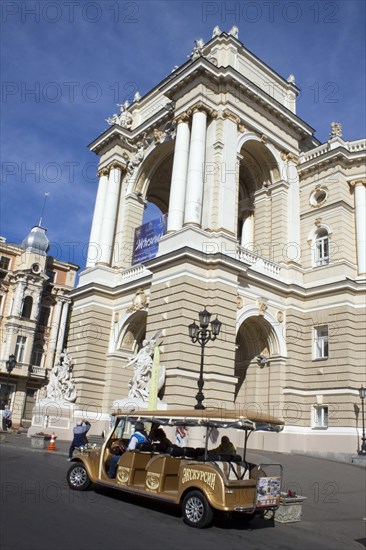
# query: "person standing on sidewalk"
x,y
6,420
81,429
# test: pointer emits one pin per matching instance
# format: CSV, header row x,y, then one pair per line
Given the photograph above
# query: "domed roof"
x,y
36,241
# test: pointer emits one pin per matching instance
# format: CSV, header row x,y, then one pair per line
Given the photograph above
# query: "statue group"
x,y
142,364
61,385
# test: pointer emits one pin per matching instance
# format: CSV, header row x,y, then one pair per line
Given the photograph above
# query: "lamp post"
x,y
362,394
203,334
10,366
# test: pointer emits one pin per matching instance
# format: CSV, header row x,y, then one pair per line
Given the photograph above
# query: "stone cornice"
x,y
229,74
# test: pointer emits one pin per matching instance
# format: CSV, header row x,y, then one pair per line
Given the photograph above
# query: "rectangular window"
x,y
4,262
44,316
37,354
321,347
320,417
19,348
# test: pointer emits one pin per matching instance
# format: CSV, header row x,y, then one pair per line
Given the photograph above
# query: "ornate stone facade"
x,y
266,229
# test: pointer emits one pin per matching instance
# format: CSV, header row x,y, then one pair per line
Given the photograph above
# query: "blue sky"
x,y
65,64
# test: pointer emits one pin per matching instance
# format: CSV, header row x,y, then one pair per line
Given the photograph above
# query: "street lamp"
x,y
362,394
203,334
10,366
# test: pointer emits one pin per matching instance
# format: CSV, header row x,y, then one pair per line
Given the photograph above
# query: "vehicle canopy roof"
x,y
218,418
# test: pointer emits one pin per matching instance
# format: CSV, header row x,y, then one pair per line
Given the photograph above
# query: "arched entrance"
x,y
259,354
259,169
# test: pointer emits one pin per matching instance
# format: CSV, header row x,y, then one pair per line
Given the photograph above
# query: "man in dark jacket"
x,y
80,439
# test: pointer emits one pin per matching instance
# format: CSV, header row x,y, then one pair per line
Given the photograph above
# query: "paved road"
x,y
40,512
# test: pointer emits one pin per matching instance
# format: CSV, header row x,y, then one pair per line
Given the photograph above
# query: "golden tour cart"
x,y
194,478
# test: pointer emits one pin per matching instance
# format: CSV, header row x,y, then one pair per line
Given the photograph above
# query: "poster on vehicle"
x,y
269,491
146,241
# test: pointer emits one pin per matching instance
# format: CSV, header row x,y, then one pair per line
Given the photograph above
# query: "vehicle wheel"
x,y
77,477
196,510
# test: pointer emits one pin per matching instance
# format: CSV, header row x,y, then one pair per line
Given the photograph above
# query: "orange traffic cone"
x,y
52,446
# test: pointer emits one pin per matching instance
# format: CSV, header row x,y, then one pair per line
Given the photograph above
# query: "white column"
x,y
96,228
247,232
110,215
55,324
179,176
193,205
62,329
293,228
360,210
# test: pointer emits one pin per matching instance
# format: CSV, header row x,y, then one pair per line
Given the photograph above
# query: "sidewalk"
x,y
21,441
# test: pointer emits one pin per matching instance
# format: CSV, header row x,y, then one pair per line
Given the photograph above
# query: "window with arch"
x,y
27,307
321,247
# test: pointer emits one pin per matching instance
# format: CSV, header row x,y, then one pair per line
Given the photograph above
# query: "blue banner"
x,y
146,241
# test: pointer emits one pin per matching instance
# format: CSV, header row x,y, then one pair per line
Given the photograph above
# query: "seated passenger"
x,y
160,436
225,448
140,436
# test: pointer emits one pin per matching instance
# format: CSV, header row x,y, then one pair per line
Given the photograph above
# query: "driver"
x,y
139,436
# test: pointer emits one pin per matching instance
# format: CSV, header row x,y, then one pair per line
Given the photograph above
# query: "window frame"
x,y
320,417
320,353
20,346
321,248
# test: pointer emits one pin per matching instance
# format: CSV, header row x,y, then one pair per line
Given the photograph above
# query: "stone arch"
x,y
260,166
256,335
152,180
131,332
251,136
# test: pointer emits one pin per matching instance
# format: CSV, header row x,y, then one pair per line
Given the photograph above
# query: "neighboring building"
x,y
265,227
34,310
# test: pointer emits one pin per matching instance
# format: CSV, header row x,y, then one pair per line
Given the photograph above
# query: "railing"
x,y
260,262
134,272
37,371
352,146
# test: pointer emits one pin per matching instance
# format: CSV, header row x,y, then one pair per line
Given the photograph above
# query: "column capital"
x,y
116,164
183,117
226,113
200,107
103,172
357,182
290,157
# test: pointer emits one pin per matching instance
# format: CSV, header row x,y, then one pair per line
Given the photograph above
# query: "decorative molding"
x,y
262,306
139,301
280,316
335,130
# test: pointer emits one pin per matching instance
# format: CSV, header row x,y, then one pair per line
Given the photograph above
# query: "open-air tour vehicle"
x,y
197,480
